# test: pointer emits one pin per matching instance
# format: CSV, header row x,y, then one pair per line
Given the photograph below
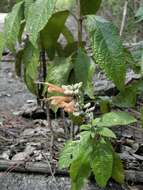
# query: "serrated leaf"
x,y
84,68
66,156
102,163
115,119
31,62
12,26
74,149
1,43
118,170
108,50
106,132
89,7
80,171
133,89
122,100
38,16
58,71
85,127
27,5
52,31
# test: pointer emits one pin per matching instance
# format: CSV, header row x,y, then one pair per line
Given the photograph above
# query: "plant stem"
x,y
43,58
42,75
51,129
80,19
39,86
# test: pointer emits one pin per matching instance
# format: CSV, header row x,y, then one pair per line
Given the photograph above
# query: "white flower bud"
x,y
87,105
76,104
77,85
76,92
76,114
90,109
68,92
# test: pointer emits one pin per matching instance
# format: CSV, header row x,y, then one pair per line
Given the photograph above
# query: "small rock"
x,y
20,156
17,113
60,130
31,101
29,149
5,155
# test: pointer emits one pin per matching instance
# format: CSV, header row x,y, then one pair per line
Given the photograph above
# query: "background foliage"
x,y
112,10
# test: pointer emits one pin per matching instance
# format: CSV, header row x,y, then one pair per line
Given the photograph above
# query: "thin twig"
x,y
52,173
64,123
124,17
51,128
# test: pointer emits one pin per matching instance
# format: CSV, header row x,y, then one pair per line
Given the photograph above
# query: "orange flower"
x,y
65,102
54,88
58,99
70,107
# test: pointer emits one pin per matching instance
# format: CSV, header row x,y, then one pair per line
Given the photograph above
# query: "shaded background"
x,y
112,10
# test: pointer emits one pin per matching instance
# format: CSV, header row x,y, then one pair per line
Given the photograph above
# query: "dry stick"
x,y
51,128
124,17
50,168
39,86
64,123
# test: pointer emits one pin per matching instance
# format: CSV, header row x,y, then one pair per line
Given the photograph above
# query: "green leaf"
x,y
77,120
65,4
27,6
102,162
70,49
139,14
59,49
108,50
12,26
118,170
126,98
38,16
80,170
31,62
67,34
85,127
133,89
106,132
84,68
89,7
52,31
59,70
115,118
1,43
74,149
66,156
